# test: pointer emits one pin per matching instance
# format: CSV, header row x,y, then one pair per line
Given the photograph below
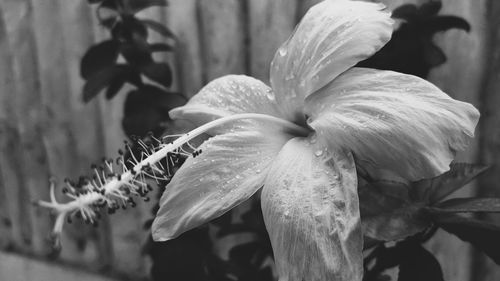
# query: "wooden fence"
x,y
46,129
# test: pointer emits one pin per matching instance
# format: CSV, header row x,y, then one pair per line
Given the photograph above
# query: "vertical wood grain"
x,y
489,140
271,23
85,125
463,83
223,33
31,160
182,19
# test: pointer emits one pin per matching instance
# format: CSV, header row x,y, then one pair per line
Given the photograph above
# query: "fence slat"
x,y
463,83
271,23
10,180
76,22
182,18
223,34
484,269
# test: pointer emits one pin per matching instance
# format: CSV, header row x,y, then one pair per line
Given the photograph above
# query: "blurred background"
x,y
47,129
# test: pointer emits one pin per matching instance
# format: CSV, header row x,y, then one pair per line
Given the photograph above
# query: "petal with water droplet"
x,y
311,211
412,133
204,190
227,95
332,37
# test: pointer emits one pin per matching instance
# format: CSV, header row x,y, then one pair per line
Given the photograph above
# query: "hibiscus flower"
x,y
300,140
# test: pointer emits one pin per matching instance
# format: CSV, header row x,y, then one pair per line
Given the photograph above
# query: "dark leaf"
x,y
468,205
158,72
244,253
482,235
114,87
443,23
100,80
418,264
98,57
146,108
134,6
433,55
129,30
158,27
160,47
406,11
430,8
136,54
397,224
435,189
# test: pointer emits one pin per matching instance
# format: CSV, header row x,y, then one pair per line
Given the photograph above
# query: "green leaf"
x,y
158,27
99,57
482,235
435,189
158,72
469,205
418,264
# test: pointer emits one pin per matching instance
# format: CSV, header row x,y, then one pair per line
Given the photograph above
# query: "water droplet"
x,y
282,51
313,139
258,171
318,153
289,76
270,95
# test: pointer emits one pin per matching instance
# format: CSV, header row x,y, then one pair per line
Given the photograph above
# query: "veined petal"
x,y
311,211
333,36
392,121
230,169
228,95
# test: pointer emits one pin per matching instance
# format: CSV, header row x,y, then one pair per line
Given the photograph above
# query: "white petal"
x,y
333,36
311,211
228,95
231,168
392,121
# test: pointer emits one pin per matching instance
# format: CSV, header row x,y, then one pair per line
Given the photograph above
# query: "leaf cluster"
x,y
411,212
127,58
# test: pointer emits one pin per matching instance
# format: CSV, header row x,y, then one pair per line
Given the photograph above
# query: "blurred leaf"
x,y
114,87
100,80
482,235
129,29
98,57
134,6
396,224
435,189
160,47
443,23
146,108
386,214
411,49
406,11
418,264
430,8
158,72
158,27
468,205
136,54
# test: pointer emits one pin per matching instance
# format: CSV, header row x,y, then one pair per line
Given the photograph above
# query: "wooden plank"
x,y
127,235
463,83
78,36
484,269
10,181
182,19
19,268
31,169
271,23
223,32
